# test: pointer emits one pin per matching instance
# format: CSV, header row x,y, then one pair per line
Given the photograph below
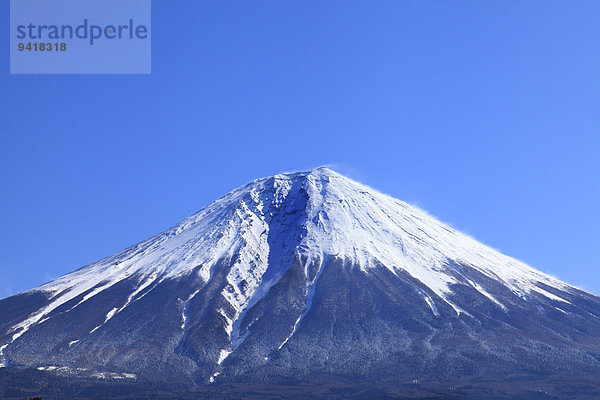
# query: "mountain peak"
x,y
313,214
322,172
301,234
326,171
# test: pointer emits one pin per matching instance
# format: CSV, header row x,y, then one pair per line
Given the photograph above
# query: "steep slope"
x,y
300,274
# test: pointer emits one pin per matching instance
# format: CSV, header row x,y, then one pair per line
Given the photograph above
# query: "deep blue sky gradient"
x,y
486,114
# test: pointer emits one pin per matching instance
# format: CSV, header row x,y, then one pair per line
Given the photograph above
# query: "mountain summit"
x,y
301,274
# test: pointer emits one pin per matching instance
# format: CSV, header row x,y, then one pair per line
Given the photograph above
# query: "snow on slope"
x,y
332,215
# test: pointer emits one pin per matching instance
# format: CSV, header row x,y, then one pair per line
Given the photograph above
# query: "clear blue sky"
x,y
484,113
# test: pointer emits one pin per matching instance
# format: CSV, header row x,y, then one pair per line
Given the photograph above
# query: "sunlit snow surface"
x,y
341,218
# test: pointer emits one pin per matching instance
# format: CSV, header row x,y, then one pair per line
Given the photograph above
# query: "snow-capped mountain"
x,y
300,274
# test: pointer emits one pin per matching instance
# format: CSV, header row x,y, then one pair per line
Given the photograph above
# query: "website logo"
x,y
80,36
